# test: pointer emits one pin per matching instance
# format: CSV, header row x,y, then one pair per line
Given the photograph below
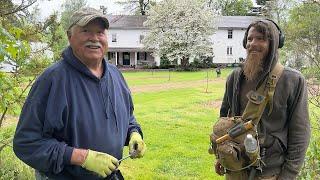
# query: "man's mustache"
x,y
89,43
254,50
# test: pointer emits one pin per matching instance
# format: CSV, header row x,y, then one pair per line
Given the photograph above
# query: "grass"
x,y
176,125
176,131
163,77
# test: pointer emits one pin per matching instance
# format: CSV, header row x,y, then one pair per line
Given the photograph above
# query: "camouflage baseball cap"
x,y
84,15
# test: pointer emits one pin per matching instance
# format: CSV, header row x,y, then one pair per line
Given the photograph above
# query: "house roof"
x,y
128,49
136,21
7,67
235,21
127,21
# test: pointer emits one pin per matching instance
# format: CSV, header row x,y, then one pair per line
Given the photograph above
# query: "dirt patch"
x,y
9,120
173,85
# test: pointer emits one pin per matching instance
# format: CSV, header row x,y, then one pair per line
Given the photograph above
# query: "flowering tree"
x,y
180,30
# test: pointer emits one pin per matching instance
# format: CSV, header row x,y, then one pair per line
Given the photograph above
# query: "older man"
x,y
79,113
283,131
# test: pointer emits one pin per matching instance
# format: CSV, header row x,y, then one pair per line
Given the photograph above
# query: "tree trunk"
x,y
207,80
3,115
184,62
141,6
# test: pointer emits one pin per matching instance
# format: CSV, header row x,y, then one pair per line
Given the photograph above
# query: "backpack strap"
x,y
271,84
257,100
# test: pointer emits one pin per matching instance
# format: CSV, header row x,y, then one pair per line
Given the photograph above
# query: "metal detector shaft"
x,y
124,158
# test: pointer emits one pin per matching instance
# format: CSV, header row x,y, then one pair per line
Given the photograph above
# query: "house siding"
x,y
129,28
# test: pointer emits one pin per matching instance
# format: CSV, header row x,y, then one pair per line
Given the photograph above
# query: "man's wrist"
x,y
79,156
135,133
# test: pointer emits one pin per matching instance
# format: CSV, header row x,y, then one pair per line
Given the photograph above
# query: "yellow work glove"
x,y
136,145
100,163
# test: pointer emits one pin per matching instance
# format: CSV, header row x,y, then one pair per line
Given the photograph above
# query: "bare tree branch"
x,y
21,7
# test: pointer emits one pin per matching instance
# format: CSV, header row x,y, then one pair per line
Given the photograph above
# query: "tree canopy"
x,y
139,7
231,7
19,34
303,37
180,30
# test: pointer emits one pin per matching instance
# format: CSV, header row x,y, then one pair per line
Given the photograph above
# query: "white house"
x,y
7,67
126,33
125,37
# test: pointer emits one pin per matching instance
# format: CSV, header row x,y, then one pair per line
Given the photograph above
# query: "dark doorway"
x,y
126,58
118,58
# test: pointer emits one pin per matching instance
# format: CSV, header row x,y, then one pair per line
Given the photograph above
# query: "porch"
x,y
135,58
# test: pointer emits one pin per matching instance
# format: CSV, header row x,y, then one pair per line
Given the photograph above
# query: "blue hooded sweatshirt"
x,y
68,107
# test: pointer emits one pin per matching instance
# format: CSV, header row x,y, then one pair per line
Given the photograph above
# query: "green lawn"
x,y
163,77
176,123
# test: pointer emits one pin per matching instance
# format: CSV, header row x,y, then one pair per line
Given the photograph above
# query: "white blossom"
x,y
180,29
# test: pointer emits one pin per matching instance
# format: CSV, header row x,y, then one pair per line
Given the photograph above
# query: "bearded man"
x,y
79,112
284,125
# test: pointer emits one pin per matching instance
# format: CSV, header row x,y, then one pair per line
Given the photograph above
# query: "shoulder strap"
x,y
257,100
272,83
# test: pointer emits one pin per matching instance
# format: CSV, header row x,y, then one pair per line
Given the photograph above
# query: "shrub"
x,y
311,167
10,166
187,68
166,64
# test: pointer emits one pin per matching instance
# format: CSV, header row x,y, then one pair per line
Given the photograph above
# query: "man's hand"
x,y
100,163
219,169
136,145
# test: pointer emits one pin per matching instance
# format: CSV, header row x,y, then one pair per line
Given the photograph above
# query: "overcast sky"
x,y
47,7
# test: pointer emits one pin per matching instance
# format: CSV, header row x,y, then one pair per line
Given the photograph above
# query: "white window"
x,y
141,38
230,32
142,56
229,50
114,37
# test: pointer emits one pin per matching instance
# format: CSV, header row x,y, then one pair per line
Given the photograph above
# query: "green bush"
x,y
204,63
150,67
166,64
10,166
186,68
311,167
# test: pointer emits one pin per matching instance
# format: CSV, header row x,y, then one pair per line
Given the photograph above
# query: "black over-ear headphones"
x,y
281,35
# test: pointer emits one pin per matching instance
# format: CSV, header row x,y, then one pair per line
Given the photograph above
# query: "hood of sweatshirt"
x,y
272,57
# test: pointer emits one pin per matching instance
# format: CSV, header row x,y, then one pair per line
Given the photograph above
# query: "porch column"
x,y
157,60
179,61
135,58
116,55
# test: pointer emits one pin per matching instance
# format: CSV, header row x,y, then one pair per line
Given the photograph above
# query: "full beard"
x,y
253,66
